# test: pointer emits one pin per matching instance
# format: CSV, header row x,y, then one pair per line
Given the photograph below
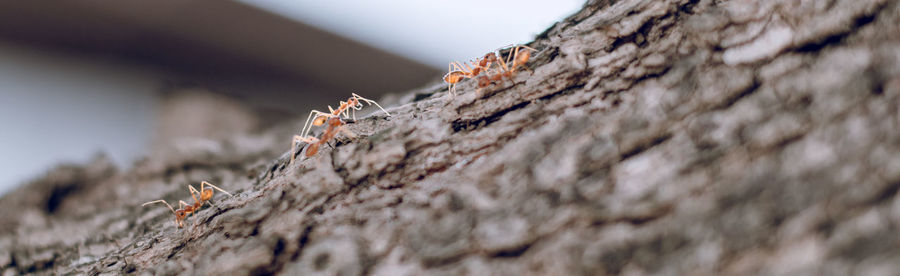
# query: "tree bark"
x,y
649,136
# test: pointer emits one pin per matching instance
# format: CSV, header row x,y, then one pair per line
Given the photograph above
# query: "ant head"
x,y
180,214
319,120
206,194
489,57
353,102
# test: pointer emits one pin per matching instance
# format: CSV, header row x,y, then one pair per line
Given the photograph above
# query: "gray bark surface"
x,y
650,137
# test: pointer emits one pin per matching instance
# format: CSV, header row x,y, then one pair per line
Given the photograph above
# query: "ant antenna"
x,y
179,215
370,102
162,201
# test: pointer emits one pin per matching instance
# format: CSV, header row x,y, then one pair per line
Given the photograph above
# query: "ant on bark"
x,y
517,57
334,126
354,103
186,209
333,118
459,71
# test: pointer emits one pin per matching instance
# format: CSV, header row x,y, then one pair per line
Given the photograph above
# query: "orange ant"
x,y
519,58
334,124
516,58
185,209
333,118
353,104
463,71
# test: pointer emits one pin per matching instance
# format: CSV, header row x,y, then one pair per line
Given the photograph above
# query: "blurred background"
x,y
82,77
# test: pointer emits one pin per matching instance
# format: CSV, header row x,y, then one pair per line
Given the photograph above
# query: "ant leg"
x,y
178,222
341,111
307,139
459,67
181,204
504,47
370,102
500,63
298,138
518,48
529,48
455,65
468,69
346,112
194,192
214,186
516,54
331,110
515,60
309,121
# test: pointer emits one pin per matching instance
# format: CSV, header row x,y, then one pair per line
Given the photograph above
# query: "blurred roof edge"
x,y
210,39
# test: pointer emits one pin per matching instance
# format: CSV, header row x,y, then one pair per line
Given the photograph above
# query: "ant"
x,y
463,71
353,104
334,124
517,57
333,118
185,209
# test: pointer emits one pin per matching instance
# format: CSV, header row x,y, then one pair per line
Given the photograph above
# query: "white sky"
x,y
46,102
433,32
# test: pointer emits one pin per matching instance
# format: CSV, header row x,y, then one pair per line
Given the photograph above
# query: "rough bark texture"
x,y
651,137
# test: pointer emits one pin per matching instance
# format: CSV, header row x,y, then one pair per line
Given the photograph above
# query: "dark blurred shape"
x,y
225,46
47,195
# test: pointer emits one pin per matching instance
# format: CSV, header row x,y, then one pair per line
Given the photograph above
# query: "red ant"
x,y
463,71
353,103
185,209
334,124
516,58
333,118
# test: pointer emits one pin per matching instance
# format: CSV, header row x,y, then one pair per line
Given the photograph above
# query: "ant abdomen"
x,y
207,194
319,121
312,149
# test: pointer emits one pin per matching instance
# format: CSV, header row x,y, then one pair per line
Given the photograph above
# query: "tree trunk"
x,y
648,136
